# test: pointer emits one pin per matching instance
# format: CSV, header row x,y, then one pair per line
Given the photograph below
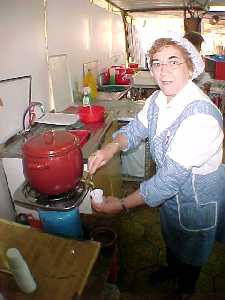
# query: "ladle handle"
x,y
88,181
49,137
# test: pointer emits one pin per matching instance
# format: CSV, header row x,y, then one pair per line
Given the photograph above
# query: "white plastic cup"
x,y
97,195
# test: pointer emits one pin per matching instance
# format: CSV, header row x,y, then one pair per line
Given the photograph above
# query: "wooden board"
x,y
60,266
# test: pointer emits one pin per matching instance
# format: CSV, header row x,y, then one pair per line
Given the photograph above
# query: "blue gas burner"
x,y
58,214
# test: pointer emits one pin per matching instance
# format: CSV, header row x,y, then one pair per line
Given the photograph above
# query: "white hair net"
x,y
195,56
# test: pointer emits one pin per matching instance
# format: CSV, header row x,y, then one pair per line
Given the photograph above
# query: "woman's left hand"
x,y
110,205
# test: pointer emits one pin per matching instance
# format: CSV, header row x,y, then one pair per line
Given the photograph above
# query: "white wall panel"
x,y
85,32
68,29
22,44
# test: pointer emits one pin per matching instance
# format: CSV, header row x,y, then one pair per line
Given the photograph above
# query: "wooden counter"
x,y
60,266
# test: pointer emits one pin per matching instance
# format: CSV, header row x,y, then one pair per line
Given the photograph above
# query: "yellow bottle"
x,y
89,80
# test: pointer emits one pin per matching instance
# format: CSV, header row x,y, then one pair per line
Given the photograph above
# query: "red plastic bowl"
x,y
91,114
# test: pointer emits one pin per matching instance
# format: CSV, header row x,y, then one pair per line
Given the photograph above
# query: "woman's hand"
x,y
101,157
110,205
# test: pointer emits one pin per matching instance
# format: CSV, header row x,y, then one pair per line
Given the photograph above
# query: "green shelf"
x,y
113,88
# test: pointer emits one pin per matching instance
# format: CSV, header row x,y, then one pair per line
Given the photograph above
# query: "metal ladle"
x,y
87,179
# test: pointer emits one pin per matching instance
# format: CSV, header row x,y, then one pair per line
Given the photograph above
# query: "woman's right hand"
x,y
101,157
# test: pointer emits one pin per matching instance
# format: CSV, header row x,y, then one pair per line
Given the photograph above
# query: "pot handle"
x,y
37,166
76,141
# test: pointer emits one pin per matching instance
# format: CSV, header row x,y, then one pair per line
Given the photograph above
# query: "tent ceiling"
x,y
150,5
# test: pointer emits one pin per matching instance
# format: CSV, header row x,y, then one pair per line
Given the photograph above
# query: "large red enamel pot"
x,y
52,162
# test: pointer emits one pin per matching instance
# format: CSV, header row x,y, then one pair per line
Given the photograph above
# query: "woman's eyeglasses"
x,y
172,64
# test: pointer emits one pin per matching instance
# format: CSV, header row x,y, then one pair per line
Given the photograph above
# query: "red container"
x,y
123,80
106,77
220,70
121,77
130,71
52,162
133,65
120,70
91,114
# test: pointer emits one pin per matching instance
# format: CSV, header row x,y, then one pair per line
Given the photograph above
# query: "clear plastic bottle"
x,y
87,99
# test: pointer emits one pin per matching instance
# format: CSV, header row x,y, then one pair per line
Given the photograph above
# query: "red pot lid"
x,y
50,143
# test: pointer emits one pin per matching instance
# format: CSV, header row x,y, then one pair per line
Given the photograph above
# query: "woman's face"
x,y
170,71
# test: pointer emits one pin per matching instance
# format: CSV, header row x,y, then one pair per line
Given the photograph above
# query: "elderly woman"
x,y
185,132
